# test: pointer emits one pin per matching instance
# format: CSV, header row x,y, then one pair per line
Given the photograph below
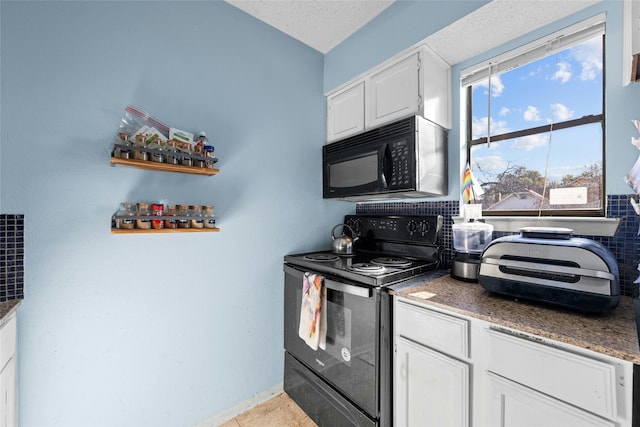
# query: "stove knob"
x,y
412,227
423,227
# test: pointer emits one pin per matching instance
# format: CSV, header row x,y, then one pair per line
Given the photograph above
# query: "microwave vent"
x,y
390,131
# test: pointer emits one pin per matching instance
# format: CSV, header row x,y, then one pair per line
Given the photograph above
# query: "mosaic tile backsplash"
x,y
11,257
625,245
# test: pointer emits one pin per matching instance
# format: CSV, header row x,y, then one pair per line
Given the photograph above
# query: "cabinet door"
x,y
394,92
513,405
8,395
345,112
430,389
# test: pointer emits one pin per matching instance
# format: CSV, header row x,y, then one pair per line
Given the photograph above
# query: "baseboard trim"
x,y
238,409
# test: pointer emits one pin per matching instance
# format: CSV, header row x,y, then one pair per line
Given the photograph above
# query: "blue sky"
x,y
564,86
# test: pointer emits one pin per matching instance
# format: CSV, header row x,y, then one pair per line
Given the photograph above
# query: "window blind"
x,y
530,52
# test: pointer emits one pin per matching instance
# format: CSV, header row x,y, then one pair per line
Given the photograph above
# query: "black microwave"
x,y
406,158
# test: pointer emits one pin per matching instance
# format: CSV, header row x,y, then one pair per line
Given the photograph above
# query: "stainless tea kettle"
x,y
342,245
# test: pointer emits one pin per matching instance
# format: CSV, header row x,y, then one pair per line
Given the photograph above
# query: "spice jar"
x,y
183,212
139,152
143,211
210,155
157,210
209,218
197,221
125,216
172,153
169,222
157,155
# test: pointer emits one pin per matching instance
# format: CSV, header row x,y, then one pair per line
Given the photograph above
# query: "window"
x,y
535,126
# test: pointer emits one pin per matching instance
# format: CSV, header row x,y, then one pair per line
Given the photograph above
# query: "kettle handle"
x,y
338,225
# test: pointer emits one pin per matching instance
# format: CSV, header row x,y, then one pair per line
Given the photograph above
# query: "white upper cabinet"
x,y
346,110
394,92
417,82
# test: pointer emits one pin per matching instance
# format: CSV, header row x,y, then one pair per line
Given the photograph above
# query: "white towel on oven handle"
x,y
312,328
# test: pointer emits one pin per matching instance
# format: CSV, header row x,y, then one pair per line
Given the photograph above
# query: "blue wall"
x,y
155,330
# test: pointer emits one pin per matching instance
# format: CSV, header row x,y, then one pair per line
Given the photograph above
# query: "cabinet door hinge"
x,y
419,101
419,63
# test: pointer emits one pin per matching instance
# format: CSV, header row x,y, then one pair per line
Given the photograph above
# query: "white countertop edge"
x,y
589,226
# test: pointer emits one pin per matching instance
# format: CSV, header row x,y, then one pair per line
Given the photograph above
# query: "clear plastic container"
x,y
471,237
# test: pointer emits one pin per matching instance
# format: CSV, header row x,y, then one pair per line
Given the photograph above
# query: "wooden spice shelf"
x,y
164,230
165,167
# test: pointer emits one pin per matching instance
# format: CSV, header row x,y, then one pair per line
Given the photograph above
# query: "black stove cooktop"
x,y
388,249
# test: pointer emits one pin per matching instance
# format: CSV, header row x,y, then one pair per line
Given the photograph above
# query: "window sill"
x,y
584,226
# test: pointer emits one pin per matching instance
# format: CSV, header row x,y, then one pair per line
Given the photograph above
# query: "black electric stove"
x,y
349,380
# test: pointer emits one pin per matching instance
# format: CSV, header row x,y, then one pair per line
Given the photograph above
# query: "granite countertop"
x,y
613,333
8,307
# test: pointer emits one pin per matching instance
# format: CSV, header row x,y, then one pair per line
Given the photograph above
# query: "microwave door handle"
x,y
387,166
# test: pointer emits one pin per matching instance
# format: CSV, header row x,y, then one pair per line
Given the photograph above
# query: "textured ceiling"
x,y
323,24
496,23
320,24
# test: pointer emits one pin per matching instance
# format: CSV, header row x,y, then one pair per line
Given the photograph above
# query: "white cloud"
x,y
532,114
479,127
496,85
528,143
504,111
563,72
561,112
589,55
491,163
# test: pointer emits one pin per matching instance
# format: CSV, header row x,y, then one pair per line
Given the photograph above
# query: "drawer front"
x,y
433,329
579,380
7,341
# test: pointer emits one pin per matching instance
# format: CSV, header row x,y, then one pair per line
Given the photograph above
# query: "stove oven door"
x,y
349,361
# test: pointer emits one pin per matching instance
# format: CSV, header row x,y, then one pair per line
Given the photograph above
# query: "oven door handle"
x,y
358,291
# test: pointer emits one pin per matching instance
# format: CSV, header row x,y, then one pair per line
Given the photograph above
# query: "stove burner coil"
x,y
321,257
391,262
366,267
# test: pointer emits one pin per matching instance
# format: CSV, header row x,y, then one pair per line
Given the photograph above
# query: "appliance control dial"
x,y
412,226
423,226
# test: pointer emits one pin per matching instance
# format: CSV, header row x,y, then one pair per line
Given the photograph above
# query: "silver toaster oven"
x,y
549,265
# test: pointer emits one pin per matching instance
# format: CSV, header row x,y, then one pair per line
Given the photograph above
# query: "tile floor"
x,y
279,411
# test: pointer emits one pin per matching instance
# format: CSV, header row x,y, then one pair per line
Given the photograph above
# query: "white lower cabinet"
x,y
451,369
8,395
8,385
431,378
514,405
431,388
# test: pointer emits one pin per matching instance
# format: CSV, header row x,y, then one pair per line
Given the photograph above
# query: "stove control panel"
x,y
404,228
